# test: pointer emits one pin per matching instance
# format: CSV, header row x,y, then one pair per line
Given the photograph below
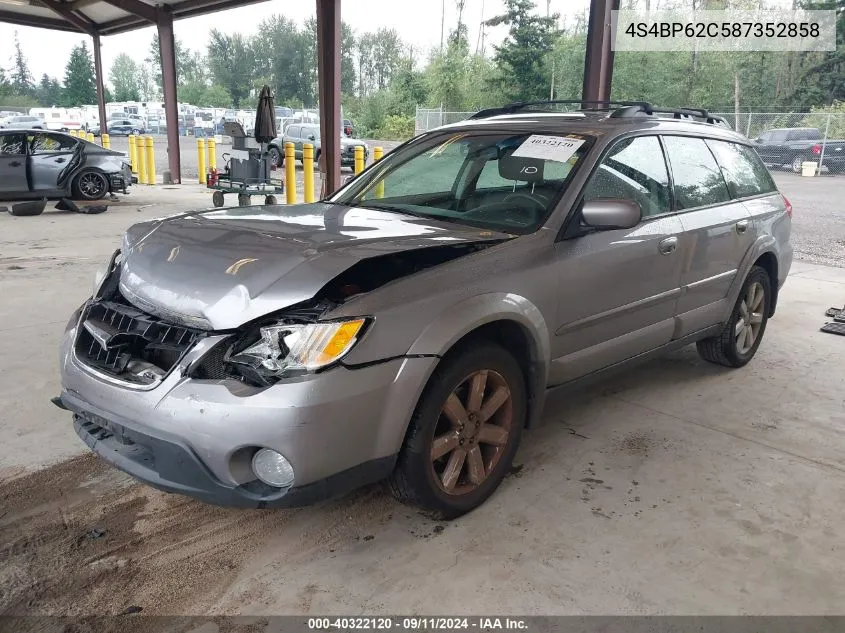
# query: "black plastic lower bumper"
x,y
168,464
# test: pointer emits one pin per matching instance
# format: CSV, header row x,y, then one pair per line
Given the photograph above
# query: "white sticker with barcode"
x,y
556,148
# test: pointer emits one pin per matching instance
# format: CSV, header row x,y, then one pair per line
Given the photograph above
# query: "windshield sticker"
x,y
555,148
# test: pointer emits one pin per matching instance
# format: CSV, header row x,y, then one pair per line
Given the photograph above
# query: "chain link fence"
x,y
784,139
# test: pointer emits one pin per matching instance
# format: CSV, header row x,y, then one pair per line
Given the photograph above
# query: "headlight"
x,y
299,347
102,273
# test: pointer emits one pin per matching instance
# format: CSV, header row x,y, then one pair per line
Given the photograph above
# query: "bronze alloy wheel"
x,y
472,432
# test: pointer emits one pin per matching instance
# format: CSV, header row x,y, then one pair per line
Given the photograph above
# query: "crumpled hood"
x,y
221,268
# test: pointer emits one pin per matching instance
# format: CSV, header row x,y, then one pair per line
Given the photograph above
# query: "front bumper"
x,y
339,429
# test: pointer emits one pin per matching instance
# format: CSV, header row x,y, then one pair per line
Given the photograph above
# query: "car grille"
x,y
118,339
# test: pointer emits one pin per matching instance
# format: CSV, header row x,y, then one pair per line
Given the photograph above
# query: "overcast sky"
x,y
48,51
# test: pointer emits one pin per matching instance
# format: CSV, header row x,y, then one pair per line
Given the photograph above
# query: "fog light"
x,y
272,468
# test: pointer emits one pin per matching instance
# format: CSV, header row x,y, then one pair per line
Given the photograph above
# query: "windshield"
x,y
502,181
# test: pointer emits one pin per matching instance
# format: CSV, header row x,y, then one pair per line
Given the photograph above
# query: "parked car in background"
x,y
24,122
38,164
793,146
299,135
348,128
412,325
121,126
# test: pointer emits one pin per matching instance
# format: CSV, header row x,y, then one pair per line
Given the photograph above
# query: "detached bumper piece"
x,y
168,464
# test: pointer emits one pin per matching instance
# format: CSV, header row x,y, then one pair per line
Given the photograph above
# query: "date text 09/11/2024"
x,y
417,624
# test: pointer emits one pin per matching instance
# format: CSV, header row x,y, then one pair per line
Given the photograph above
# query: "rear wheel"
x,y
742,334
796,163
464,434
90,185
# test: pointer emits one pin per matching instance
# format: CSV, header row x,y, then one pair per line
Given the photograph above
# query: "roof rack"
x,y
517,106
621,109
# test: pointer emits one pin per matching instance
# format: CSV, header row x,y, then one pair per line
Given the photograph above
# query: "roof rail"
x,y
517,106
624,109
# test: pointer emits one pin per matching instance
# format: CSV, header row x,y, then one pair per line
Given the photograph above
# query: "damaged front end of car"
x,y
120,342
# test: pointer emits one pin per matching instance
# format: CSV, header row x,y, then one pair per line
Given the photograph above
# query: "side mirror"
x,y
611,214
311,137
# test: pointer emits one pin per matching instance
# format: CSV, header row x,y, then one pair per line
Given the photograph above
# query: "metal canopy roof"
x,y
105,17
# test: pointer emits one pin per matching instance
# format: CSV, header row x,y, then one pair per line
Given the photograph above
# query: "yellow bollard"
x,y
106,141
308,171
89,137
201,161
212,154
151,161
140,161
290,173
133,156
378,154
72,132
359,159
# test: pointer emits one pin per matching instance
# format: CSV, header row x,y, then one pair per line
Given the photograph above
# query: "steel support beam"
x,y
136,7
168,77
82,23
101,93
598,58
328,78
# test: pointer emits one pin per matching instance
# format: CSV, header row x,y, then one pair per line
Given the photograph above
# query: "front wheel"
x,y
90,185
464,433
742,334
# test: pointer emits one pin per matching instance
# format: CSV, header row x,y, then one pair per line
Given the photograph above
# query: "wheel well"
x,y
515,339
769,263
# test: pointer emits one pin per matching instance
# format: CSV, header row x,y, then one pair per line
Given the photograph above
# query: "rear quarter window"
x,y
743,170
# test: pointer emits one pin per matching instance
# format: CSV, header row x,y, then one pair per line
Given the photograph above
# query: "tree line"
x,y
383,79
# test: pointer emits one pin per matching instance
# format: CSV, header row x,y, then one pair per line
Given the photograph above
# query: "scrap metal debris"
x,y
66,204
837,326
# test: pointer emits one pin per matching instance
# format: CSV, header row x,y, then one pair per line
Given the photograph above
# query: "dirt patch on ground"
x,y
81,538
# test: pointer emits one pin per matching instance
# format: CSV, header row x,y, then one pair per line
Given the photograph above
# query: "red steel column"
x,y
168,75
598,59
101,93
328,69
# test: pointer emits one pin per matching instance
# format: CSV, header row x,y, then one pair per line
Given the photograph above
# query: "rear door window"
x,y
697,177
742,168
12,144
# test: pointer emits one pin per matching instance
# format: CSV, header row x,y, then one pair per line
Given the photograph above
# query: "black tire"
x,y
796,163
275,157
725,349
271,200
414,480
90,185
28,209
244,200
217,199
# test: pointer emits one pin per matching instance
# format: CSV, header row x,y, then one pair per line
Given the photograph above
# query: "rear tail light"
x,y
817,149
788,205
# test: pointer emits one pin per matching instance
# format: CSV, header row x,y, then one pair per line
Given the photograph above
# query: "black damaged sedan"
x,y
42,164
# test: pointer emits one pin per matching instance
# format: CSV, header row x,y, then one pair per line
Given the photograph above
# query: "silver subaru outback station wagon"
x,y
410,326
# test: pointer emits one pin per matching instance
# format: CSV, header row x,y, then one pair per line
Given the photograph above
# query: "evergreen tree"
x,y
80,86
49,91
22,82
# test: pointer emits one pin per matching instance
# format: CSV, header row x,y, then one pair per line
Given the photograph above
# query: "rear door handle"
x,y
742,226
668,245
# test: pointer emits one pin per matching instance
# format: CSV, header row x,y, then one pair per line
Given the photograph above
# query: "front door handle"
x,y
60,160
15,163
742,226
668,246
